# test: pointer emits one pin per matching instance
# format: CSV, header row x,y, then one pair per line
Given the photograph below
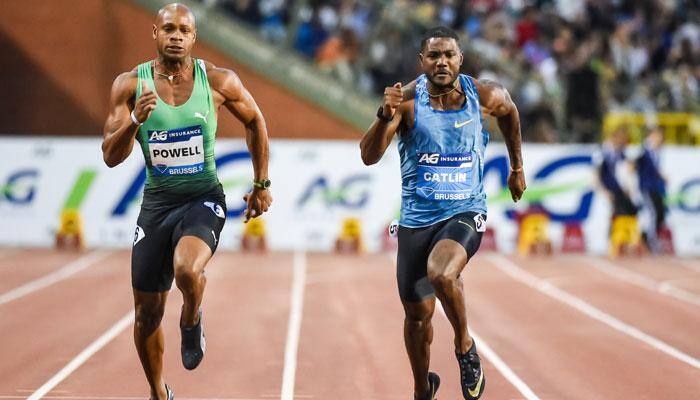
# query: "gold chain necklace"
x,y
169,76
441,94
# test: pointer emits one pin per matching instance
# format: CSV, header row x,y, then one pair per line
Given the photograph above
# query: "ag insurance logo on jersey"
x,y
177,151
444,176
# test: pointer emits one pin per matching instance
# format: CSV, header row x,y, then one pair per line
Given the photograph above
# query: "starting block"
x,y
488,240
664,237
350,239
70,232
254,236
533,237
574,240
625,238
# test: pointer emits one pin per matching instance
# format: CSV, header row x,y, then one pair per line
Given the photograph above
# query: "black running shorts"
x,y
161,224
415,245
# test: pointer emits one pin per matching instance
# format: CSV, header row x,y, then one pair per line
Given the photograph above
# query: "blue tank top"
x,y
442,159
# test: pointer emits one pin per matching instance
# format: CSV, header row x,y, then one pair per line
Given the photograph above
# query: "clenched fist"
x,y
516,184
145,104
392,99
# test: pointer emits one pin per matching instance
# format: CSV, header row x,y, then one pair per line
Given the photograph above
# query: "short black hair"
x,y
438,32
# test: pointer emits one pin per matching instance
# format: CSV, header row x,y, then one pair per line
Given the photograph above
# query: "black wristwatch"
x,y
380,115
262,184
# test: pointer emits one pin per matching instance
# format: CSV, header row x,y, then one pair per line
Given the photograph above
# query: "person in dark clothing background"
x,y
612,174
652,186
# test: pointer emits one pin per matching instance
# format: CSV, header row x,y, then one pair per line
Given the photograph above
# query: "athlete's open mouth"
x,y
174,48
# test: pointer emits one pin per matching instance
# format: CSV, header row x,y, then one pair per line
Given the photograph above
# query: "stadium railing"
x,y
678,128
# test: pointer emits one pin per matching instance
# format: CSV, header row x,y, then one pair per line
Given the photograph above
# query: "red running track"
x,y
320,326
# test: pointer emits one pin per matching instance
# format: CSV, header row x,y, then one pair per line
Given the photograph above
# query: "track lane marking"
x,y
519,274
84,355
10,397
64,272
685,263
640,280
294,326
497,362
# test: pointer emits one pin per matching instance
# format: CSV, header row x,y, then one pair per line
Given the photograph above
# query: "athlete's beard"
x,y
441,86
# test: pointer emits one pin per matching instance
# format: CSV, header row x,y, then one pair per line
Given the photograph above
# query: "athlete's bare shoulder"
x,y
223,80
124,86
493,97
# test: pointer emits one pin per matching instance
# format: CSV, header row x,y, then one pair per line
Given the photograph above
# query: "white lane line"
x,y
294,326
56,276
84,355
134,398
637,279
687,263
497,362
514,271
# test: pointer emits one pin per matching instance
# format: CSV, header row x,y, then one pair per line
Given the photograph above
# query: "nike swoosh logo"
x,y
477,388
461,124
464,223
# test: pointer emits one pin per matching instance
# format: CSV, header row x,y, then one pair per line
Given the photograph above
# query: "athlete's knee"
x,y
147,318
417,317
441,277
443,271
187,271
416,323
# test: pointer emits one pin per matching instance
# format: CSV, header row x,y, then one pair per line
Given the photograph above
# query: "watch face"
x,y
266,183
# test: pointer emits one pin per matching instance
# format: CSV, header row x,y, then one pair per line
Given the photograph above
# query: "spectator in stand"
x,y
585,57
338,54
527,28
311,35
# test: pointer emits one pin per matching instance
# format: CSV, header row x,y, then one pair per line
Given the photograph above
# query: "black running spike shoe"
x,y
169,392
434,381
193,344
471,374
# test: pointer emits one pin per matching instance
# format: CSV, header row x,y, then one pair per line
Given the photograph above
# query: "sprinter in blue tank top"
x,y
442,145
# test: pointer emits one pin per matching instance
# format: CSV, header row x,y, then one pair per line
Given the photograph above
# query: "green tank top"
x,y
178,141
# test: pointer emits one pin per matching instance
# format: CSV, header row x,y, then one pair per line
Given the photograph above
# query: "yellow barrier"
x,y
624,236
70,232
350,238
254,236
678,128
533,236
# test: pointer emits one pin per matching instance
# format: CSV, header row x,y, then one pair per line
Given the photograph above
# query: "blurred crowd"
x,y
565,62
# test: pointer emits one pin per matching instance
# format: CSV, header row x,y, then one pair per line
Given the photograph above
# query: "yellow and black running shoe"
x,y
471,374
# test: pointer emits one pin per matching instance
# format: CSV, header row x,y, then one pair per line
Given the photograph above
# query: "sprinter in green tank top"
x,y
169,105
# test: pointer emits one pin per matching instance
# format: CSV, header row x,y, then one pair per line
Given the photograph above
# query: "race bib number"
x,y
444,176
177,152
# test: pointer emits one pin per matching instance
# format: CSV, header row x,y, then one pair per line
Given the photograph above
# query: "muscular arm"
x,y
119,131
495,101
242,105
378,137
